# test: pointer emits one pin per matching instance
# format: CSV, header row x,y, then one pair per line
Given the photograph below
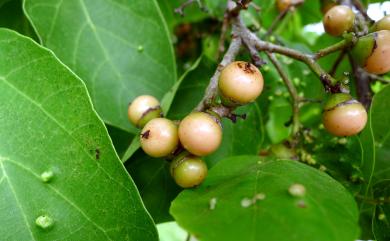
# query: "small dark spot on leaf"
x,y
301,204
97,153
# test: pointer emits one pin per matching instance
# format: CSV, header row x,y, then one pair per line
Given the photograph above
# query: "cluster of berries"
x,y
199,133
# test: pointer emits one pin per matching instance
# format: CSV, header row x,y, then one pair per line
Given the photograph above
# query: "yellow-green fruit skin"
x,y
338,20
159,137
189,171
379,61
144,106
383,24
345,120
200,134
282,5
240,82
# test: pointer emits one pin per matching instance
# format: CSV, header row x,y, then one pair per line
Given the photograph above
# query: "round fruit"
x,y
383,24
200,133
338,20
240,83
344,116
189,171
159,137
282,5
379,60
143,109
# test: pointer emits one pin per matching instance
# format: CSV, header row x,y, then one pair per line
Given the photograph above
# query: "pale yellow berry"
x,y
143,109
159,137
338,20
240,82
200,133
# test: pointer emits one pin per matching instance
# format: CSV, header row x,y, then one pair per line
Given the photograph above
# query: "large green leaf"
x,y
60,176
381,217
121,49
222,208
154,182
376,141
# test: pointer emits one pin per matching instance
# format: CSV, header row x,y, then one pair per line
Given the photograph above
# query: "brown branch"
x,y
255,56
212,88
180,9
241,35
378,78
250,39
362,80
221,42
360,7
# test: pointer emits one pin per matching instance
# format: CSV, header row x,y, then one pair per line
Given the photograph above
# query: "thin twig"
x,y
221,42
255,56
337,63
360,7
212,88
293,93
347,42
281,16
250,39
378,78
276,21
180,9
362,80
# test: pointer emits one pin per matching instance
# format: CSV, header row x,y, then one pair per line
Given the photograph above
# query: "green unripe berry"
x,y
383,24
344,116
159,137
373,52
338,20
189,171
240,83
143,109
200,133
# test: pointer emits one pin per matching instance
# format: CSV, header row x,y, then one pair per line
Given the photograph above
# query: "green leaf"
x,y
381,217
120,138
121,49
277,126
157,188
375,140
60,176
222,208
